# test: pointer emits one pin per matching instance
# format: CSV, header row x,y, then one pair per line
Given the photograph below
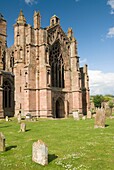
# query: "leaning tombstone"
x,y
7,119
100,118
2,142
22,127
40,153
76,115
89,115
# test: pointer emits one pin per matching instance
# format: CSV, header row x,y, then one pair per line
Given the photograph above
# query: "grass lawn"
x,y
72,145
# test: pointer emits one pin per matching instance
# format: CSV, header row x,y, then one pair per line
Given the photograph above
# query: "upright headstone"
x,y
2,142
22,127
76,115
28,117
40,152
19,117
89,115
100,118
94,115
84,118
7,119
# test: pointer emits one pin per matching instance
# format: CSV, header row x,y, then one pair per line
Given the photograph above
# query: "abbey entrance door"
x,y
8,97
60,108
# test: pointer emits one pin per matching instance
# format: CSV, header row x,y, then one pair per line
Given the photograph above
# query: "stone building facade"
x,y
40,72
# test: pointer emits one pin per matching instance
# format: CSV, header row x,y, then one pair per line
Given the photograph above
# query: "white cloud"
x,y
30,1
101,83
110,33
111,3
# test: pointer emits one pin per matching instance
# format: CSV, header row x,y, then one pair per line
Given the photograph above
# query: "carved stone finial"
x,y
21,19
1,17
36,13
70,33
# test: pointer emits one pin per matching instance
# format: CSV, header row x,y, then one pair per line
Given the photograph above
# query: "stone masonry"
x,y
40,72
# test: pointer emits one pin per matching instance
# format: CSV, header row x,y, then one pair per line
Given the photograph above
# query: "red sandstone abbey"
x,y
40,72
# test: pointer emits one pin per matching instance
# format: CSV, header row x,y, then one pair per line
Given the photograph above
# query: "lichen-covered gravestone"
x,y
40,153
22,127
100,118
2,142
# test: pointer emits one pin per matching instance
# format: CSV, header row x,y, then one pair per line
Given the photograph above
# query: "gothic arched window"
x,y
57,66
7,95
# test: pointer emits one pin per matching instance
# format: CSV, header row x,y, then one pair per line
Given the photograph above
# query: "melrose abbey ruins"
x,y
40,73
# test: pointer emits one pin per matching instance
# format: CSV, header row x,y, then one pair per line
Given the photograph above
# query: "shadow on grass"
x,y
10,147
5,126
52,157
28,130
106,125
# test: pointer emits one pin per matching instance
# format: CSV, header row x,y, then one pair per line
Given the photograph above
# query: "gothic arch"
x,y
8,97
57,35
57,65
59,108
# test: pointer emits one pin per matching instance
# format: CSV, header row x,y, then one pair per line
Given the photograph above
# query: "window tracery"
x,y
57,66
7,95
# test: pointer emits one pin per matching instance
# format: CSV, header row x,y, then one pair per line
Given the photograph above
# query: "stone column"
x,y
44,89
75,77
66,108
1,96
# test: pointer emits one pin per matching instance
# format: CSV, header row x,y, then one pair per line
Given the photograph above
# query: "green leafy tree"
x,y
98,99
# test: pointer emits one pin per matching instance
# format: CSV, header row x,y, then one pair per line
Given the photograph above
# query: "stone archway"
x,y
60,108
8,98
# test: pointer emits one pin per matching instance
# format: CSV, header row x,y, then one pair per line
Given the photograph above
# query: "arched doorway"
x,y
59,108
8,98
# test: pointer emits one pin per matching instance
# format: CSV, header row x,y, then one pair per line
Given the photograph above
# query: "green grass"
x,y
72,145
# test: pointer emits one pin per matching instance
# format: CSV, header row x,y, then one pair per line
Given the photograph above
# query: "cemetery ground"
x,y
72,145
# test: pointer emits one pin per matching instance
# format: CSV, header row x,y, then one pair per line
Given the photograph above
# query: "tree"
x,y
98,99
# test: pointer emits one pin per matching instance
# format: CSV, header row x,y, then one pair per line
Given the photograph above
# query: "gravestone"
x,y
22,127
94,115
76,115
108,112
19,117
40,153
7,119
100,118
28,117
84,118
2,142
89,116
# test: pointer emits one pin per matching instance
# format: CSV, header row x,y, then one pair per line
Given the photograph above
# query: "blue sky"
x,y
92,22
